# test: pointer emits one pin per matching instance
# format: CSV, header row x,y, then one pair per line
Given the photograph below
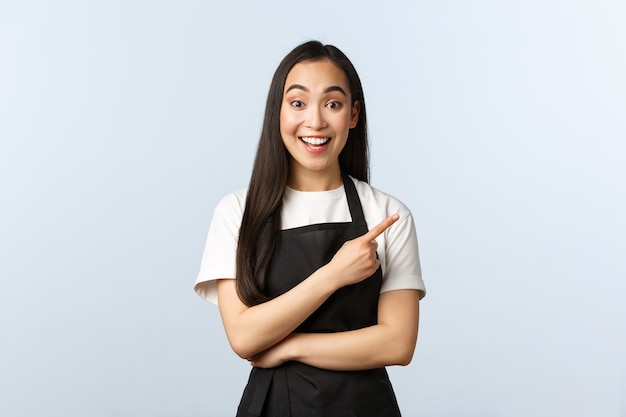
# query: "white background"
x,y
502,125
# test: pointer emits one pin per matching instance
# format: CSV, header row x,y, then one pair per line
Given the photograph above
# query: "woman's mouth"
x,y
314,141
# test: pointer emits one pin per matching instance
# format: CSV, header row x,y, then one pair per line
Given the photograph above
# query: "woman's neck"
x,y
315,180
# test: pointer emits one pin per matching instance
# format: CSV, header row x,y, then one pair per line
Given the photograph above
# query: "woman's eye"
x,y
333,105
297,103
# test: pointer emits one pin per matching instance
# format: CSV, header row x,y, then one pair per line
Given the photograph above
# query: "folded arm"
x,y
390,342
254,329
251,330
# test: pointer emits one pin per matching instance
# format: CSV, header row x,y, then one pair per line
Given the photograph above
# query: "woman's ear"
x,y
354,116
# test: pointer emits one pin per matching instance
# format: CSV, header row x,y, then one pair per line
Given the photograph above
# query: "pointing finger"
x,y
381,227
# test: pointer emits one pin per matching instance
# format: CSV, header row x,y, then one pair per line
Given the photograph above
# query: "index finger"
x,y
380,227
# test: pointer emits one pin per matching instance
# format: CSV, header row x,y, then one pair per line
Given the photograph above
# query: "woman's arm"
x,y
390,342
251,330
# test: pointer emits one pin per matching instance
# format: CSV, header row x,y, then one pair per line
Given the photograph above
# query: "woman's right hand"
x,y
356,259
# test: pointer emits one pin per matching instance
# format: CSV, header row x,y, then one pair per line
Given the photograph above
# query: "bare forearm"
x,y
371,347
390,342
257,328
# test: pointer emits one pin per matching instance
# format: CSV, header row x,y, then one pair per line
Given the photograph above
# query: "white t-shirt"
x,y
397,246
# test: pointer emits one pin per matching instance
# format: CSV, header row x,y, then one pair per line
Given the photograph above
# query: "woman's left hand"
x,y
274,356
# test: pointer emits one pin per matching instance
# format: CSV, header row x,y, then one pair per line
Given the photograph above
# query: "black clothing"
x,y
295,389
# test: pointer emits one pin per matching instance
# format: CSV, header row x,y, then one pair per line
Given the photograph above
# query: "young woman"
x,y
316,272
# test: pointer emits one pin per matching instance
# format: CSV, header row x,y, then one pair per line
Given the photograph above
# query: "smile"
x,y
315,141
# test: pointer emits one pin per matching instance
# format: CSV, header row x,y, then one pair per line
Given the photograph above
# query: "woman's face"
x,y
316,115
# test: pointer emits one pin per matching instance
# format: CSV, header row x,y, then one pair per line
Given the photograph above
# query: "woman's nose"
x,y
315,118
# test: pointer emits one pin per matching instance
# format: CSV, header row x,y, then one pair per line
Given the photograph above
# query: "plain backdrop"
x,y
501,124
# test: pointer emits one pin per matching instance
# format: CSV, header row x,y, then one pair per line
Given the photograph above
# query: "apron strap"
x,y
354,203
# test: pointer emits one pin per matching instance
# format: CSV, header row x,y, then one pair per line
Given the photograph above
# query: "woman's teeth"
x,y
314,141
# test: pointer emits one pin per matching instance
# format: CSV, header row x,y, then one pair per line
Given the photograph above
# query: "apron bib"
x,y
295,389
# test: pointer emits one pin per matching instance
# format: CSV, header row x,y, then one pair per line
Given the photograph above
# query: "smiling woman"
x,y
315,118
316,273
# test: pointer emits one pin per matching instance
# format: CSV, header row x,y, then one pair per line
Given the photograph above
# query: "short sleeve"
x,y
402,263
220,250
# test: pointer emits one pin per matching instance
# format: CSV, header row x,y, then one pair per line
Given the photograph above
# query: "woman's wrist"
x,y
292,347
328,279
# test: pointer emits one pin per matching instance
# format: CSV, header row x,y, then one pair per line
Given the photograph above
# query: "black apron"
x,y
295,389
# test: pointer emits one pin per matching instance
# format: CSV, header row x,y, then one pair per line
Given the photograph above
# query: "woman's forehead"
x,y
316,75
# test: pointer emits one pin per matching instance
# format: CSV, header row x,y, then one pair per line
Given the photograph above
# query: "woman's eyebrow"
x,y
298,87
335,88
328,90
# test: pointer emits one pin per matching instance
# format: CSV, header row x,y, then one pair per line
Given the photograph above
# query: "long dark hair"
x,y
259,233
